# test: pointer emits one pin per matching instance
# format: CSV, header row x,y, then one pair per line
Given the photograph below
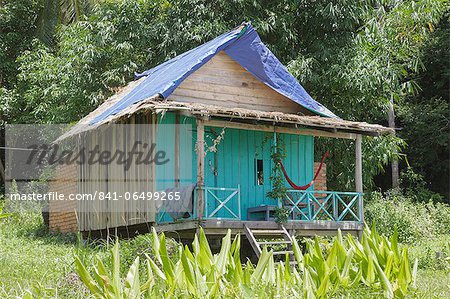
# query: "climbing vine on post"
x,y
215,142
278,153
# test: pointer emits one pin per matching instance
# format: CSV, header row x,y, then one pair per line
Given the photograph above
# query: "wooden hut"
x,y
231,89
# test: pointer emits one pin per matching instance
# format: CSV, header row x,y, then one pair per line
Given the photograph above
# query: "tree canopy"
x,y
355,57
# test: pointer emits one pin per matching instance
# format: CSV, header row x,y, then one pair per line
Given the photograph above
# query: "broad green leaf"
x,y
222,258
387,286
132,281
155,268
261,266
166,261
116,283
188,271
86,278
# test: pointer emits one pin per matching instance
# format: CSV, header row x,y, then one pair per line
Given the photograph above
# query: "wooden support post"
x,y
200,149
358,164
358,175
177,150
152,174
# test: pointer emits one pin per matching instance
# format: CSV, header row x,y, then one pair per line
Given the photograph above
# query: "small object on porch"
x,y
178,209
268,211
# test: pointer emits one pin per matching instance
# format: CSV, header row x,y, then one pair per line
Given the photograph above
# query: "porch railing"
x,y
224,198
324,205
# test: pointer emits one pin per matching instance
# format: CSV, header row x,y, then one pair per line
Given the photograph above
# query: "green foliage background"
x,y
61,59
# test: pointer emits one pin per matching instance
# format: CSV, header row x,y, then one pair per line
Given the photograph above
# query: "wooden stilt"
x,y
358,174
358,164
177,150
200,149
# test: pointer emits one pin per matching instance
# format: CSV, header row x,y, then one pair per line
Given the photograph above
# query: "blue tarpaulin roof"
x,y
242,44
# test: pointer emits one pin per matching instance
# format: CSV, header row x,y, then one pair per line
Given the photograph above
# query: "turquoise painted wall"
x,y
165,140
234,162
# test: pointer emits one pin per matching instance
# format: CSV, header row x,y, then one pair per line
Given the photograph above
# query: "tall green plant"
x,y
104,283
376,262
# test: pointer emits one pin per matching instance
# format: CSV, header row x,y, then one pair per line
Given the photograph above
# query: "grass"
x,y
31,258
431,252
433,284
433,279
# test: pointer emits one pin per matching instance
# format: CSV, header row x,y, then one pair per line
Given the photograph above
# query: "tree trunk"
x,y
2,171
394,164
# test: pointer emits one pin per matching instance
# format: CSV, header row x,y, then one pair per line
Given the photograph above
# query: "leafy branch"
x,y
278,153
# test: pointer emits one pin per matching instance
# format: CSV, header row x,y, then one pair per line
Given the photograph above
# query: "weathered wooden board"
x,y
278,129
224,82
299,228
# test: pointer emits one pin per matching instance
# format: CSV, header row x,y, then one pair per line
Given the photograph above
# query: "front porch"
x,y
309,213
231,187
216,228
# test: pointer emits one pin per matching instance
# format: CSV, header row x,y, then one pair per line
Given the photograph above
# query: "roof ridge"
x,y
243,45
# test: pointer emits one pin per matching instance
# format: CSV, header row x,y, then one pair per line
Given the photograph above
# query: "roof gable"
x,y
243,45
225,83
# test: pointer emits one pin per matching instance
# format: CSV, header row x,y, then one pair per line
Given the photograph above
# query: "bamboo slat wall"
x,y
114,178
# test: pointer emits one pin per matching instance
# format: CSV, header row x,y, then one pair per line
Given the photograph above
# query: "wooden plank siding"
x,y
234,163
224,82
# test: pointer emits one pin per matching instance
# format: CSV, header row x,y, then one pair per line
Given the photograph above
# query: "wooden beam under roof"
x,y
279,129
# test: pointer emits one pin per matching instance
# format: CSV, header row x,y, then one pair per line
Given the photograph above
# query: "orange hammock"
x,y
293,185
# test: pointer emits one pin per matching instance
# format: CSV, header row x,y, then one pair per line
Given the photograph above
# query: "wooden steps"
x,y
274,242
283,252
278,237
267,232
